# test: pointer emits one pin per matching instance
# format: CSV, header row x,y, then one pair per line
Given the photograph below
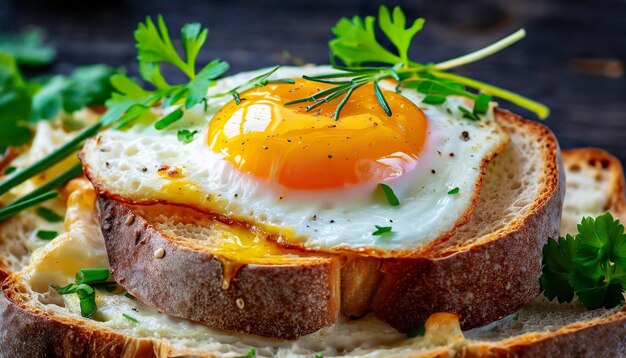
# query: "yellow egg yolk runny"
x,y
310,150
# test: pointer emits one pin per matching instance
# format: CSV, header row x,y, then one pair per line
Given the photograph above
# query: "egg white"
x,y
127,163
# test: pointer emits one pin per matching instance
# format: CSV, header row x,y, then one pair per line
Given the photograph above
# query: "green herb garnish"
x,y
27,47
85,87
454,191
130,318
46,235
392,199
590,265
186,136
49,215
83,287
381,230
90,275
11,210
418,331
251,354
127,294
356,46
10,169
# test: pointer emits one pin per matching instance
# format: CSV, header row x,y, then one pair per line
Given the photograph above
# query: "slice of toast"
x,y
31,326
495,259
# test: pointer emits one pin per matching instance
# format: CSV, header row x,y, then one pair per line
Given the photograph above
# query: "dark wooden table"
x,y
572,59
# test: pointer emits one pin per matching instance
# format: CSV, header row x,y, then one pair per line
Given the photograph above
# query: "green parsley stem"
x,y
482,53
540,109
49,160
11,210
56,182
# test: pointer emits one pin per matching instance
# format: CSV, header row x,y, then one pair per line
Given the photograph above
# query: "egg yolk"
x,y
310,150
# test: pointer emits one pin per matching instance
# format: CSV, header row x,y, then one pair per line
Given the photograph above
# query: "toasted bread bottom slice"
x,y
30,327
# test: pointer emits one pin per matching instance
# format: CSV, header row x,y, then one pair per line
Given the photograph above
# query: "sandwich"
x,y
375,207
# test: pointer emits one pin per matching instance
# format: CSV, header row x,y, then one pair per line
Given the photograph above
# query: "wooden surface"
x,y
572,59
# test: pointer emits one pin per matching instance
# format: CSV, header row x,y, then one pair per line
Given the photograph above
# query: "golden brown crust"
x,y
279,301
598,338
485,280
575,159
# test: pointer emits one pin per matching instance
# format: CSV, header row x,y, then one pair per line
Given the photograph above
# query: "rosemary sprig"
x,y
356,44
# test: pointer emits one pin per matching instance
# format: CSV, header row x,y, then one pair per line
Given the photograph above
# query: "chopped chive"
x,y
130,318
169,119
71,288
87,296
381,230
454,191
90,275
49,215
418,331
467,114
392,199
434,99
13,209
127,294
10,170
381,99
235,95
47,235
49,160
55,183
481,104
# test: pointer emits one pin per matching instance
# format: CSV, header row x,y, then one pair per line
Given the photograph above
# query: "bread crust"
x,y
278,301
599,338
30,333
487,280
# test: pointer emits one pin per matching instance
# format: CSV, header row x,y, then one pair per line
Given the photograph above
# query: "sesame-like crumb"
x,y
159,253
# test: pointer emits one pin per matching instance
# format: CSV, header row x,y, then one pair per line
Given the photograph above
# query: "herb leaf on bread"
x,y
591,264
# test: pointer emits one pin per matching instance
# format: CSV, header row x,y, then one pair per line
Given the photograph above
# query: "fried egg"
x,y
307,179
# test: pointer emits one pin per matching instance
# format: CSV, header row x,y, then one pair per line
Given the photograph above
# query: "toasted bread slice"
x,y
496,259
491,266
157,252
33,325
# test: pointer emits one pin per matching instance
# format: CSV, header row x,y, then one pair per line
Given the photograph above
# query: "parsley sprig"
x,y
356,46
590,265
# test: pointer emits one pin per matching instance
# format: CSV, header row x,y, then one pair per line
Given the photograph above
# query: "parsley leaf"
x,y
591,265
155,48
87,86
27,47
15,104
394,28
558,268
356,43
